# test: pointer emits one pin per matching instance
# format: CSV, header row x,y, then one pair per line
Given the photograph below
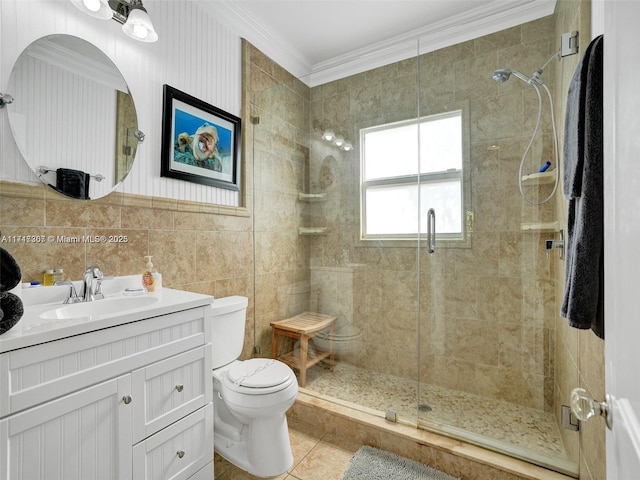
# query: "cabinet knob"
x,y
179,387
180,453
127,399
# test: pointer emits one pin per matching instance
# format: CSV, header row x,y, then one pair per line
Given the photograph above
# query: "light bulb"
x,y
93,5
328,135
140,31
139,26
95,8
347,146
338,141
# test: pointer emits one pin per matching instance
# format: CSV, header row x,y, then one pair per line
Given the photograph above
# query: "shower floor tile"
x,y
488,421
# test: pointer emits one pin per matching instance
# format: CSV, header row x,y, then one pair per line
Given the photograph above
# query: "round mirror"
x,y
73,117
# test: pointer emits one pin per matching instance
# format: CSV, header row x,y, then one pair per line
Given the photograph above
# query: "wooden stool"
x,y
303,326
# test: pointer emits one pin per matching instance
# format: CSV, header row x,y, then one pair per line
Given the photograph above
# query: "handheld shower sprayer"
x,y
502,75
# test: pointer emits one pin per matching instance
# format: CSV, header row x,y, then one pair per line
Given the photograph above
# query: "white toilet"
x,y
250,397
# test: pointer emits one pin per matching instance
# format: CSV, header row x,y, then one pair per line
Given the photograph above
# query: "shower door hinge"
x,y
255,120
257,349
391,415
569,44
568,420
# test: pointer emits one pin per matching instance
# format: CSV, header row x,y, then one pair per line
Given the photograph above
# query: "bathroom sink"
x,y
98,308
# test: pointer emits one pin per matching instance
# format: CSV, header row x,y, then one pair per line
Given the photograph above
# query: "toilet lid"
x,y
259,373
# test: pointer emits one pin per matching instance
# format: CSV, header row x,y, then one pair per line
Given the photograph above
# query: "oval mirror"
x,y
73,117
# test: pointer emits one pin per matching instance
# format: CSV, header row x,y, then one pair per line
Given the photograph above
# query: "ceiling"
x,y
328,39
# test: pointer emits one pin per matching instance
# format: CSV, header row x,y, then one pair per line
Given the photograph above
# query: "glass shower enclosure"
x,y
389,199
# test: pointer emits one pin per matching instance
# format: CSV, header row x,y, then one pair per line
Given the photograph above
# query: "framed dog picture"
x,y
200,143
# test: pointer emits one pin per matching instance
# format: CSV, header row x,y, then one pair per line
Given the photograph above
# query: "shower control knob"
x,y
584,407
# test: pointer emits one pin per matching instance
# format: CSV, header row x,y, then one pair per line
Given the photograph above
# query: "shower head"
x,y
502,75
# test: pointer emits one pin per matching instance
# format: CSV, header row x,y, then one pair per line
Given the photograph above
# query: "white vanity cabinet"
x,y
131,401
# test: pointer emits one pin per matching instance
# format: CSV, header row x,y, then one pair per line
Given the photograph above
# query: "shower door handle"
x,y
431,230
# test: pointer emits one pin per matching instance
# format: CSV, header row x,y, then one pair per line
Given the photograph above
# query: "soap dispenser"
x,y
149,275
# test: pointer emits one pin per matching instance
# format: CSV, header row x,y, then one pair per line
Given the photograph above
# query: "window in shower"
x,y
406,169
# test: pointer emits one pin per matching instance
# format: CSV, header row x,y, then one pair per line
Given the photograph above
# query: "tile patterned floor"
x,y
502,422
315,457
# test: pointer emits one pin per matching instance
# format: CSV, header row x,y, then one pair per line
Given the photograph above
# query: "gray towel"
x,y
583,303
10,274
11,310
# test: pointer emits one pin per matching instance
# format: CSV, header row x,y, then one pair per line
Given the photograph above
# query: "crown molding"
x,y
476,22
240,20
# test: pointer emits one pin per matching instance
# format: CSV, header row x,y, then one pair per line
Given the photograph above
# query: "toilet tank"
x,y
228,316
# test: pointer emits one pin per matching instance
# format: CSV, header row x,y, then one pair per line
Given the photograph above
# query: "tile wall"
x,y
579,353
487,313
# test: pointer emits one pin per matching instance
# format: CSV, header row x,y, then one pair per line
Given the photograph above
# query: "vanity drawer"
x,y
33,375
178,451
168,390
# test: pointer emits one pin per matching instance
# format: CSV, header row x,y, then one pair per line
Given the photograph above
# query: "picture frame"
x,y
200,142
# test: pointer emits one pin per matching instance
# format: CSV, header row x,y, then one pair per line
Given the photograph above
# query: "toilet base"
x,y
262,448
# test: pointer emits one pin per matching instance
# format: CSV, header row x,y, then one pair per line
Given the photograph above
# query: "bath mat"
x,y
372,464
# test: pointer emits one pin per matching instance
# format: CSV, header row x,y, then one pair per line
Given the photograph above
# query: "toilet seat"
x,y
258,376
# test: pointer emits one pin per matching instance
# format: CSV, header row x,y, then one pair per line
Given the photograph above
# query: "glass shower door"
x,y
487,293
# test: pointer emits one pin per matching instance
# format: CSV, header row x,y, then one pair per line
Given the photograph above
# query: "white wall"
x,y
194,53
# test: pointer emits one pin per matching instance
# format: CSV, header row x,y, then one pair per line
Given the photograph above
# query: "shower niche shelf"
x,y
540,227
539,178
312,197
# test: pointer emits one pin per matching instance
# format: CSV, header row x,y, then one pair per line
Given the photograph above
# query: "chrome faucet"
x,y
73,296
89,291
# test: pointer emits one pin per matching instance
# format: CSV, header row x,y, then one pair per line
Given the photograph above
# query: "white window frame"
x,y
459,239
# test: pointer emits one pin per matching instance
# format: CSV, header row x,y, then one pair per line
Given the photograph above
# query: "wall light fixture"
x,y
339,141
134,18
328,135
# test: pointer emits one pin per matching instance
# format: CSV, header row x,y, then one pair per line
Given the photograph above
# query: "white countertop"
x,y
32,329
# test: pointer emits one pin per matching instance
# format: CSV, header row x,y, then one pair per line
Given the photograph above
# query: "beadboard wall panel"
x,y
194,53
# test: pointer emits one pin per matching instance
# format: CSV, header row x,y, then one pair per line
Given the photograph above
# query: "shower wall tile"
x,y
485,165
500,299
497,117
497,209
541,28
397,327
496,41
471,340
398,102
511,254
471,78
458,296
482,259
539,300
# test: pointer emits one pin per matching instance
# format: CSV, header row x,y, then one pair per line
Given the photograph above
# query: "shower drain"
x,y
423,407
